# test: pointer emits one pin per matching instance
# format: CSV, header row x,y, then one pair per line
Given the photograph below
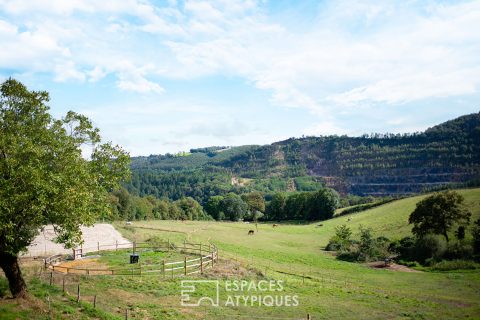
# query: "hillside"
x,y
376,164
292,253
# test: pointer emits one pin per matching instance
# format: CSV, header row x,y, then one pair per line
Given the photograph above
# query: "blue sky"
x,y
166,76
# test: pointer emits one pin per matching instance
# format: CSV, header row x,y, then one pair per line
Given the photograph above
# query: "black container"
x,y
134,258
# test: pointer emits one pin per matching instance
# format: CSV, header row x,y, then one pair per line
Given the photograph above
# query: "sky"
x,y
167,76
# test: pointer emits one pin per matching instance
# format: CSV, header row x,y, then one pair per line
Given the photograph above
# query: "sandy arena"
x,y
102,233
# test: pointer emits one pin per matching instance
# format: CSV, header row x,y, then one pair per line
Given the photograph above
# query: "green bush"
x,y
366,249
429,247
333,245
405,248
476,237
458,250
352,255
341,240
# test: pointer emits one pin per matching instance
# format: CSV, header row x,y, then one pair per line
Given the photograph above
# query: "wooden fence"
x,y
207,258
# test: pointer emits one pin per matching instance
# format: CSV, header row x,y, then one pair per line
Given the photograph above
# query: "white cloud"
x,y
325,128
67,71
350,55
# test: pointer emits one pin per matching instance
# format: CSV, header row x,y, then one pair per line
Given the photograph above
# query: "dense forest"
x,y
369,165
252,206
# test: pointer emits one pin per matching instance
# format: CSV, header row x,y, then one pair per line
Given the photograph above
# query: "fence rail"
x,y
208,257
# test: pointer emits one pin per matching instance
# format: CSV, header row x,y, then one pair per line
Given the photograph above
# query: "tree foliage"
x,y
437,214
43,177
319,205
234,207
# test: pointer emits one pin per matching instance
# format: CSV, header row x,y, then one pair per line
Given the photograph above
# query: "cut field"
x,y
326,288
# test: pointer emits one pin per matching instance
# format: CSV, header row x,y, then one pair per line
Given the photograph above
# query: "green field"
x,y
326,288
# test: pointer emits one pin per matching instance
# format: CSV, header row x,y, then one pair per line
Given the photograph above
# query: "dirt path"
x,y
392,266
102,233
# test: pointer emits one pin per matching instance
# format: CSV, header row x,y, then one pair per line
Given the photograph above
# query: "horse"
x,y
274,225
251,232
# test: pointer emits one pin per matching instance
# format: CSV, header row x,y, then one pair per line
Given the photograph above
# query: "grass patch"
x,y
447,265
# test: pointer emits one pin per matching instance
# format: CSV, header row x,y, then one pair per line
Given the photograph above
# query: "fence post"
x,y
200,249
78,293
185,265
201,264
63,284
94,301
116,245
126,313
163,267
51,278
98,247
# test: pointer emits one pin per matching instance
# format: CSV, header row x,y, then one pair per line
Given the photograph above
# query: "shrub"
x,y
366,249
333,246
429,247
405,248
458,250
476,237
352,255
341,240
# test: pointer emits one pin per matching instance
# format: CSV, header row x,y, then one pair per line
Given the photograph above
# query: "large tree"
x,y
276,207
234,207
51,172
438,213
323,204
214,207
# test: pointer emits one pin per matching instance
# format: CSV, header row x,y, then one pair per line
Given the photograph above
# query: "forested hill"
x,y
376,164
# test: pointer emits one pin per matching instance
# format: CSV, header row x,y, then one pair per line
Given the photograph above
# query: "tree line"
x,y
253,206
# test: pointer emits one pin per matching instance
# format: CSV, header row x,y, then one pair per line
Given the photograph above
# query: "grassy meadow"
x,y
326,288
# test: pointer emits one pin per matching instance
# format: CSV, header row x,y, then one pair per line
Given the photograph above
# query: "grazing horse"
x,y
274,225
251,232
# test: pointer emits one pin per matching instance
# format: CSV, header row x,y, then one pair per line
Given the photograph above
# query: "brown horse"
x,y
274,225
251,232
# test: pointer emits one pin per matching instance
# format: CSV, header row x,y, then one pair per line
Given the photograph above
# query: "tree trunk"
x,y
9,265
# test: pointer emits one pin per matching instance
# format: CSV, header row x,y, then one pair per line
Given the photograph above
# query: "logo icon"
x,y
190,287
